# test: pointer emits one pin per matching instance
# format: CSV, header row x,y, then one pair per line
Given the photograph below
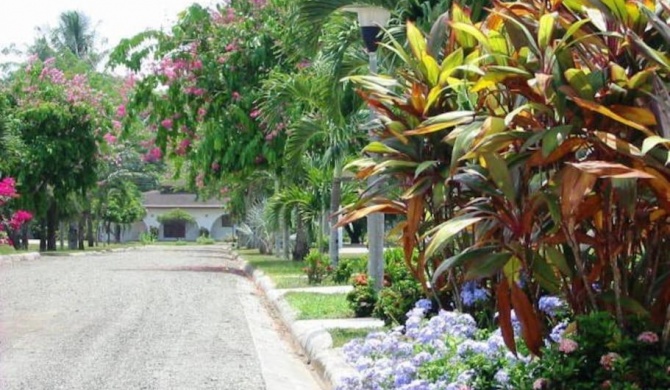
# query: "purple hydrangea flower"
x,y
471,294
550,305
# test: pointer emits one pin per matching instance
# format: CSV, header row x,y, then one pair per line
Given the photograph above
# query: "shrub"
x,y
362,298
203,232
396,300
542,168
147,238
316,267
400,290
346,268
176,215
180,243
597,354
204,240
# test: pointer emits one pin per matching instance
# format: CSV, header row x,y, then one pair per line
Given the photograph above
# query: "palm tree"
x,y
322,116
75,34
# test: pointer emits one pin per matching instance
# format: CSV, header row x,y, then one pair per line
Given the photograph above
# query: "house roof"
x,y
156,199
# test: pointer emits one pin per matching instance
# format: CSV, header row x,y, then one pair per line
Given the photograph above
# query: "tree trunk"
x,y
89,229
117,233
286,238
335,199
52,223
323,230
301,245
24,237
61,236
276,235
43,237
80,231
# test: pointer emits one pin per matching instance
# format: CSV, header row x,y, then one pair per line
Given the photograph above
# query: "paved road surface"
x,y
152,318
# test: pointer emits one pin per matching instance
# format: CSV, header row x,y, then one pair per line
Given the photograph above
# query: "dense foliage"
x,y
530,153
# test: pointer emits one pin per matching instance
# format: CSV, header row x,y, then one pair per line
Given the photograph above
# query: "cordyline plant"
x,y
531,151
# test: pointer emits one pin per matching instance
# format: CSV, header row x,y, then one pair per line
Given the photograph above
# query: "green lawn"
x,y
341,336
319,306
284,273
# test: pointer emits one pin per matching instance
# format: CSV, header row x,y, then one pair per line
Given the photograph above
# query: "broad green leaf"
x,y
446,231
553,137
546,30
652,54
416,41
449,64
512,269
545,275
471,30
487,265
443,121
464,40
497,167
574,27
580,83
423,166
432,69
378,147
556,258
460,259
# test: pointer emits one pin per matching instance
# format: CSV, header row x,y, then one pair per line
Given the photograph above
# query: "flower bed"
x,y
449,352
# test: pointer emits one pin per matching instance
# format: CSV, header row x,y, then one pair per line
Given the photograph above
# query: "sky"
x,y
113,19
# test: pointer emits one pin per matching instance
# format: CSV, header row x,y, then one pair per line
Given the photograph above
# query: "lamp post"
x,y
371,19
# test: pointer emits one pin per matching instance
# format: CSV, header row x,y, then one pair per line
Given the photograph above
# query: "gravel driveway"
x,y
151,318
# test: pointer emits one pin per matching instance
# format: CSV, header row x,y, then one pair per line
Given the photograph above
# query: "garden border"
x,y
313,338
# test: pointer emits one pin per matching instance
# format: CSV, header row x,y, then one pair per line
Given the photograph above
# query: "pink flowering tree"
x,y
200,94
59,123
12,224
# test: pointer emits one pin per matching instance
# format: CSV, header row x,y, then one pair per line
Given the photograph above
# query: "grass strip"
x,y
342,336
312,306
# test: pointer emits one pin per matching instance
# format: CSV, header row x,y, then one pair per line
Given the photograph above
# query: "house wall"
x,y
209,218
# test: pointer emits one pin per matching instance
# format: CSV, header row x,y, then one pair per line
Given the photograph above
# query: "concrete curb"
x,y
29,256
7,259
314,338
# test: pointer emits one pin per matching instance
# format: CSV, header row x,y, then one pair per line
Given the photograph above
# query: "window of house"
x,y
225,221
174,229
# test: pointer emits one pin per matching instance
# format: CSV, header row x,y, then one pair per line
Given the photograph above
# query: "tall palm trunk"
x,y
335,200
323,229
286,237
301,245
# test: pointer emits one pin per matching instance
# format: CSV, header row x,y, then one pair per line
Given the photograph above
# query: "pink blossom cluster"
x,y
221,18
19,218
200,180
648,337
7,189
110,138
608,360
567,346
174,69
153,155
182,149
51,73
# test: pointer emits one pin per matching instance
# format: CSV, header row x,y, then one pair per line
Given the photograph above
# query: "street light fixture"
x,y
371,20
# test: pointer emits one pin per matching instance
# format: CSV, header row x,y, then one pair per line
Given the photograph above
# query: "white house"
x,y
208,214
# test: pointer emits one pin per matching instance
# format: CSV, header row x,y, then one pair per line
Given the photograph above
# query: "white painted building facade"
x,y
207,214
